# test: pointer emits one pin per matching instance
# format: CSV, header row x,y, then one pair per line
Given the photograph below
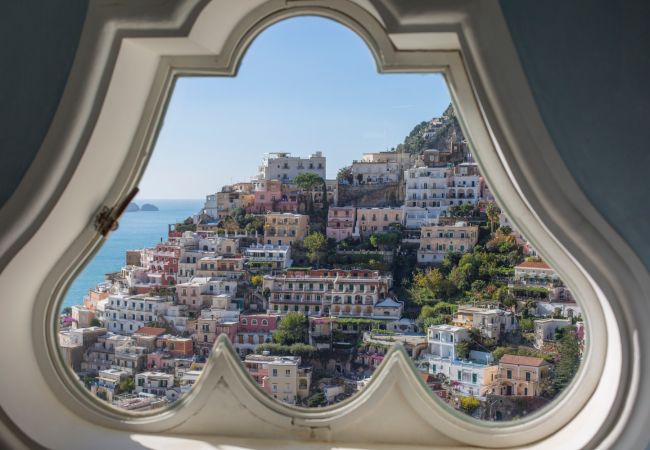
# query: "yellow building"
x,y
285,228
521,375
438,240
377,220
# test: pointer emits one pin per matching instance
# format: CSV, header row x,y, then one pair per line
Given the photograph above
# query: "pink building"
x,y
160,361
340,222
162,263
253,330
272,195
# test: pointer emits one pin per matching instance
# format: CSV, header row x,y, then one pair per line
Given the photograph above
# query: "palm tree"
x,y
492,211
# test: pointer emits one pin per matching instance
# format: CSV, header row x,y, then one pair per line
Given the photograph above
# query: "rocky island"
x,y
149,207
132,208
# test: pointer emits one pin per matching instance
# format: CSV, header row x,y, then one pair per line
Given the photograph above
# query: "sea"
x,y
136,230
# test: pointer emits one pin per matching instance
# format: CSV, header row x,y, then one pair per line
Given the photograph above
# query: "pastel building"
x,y
438,240
267,196
207,330
198,292
377,220
536,273
280,376
284,167
253,330
226,267
340,222
469,377
521,375
323,292
491,322
285,228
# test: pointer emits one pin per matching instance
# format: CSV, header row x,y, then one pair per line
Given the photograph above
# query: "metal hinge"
x,y
106,219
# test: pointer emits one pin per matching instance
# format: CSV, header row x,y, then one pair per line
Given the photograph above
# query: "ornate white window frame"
x,y
99,144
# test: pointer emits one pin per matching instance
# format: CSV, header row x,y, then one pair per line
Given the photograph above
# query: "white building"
x,y
442,340
107,382
428,187
188,379
536,273
416,216
491,322
545,330
264,257
471,377
155,383
210,206
126,314
284,167
198,292
388,308
375,172
222,309
188,261
465,186
437,188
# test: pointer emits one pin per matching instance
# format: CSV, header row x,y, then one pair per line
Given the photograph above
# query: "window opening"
x,y
504,323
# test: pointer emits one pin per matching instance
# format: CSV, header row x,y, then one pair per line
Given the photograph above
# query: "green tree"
x,y
318,399
292,329
94,322
127,385
569,359
344,174
256,280
427,287
315,244
464,211
469,404
526,325
462,349
389,240
307,181
492,211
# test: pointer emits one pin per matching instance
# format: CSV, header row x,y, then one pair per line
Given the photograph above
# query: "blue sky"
x,y
305,84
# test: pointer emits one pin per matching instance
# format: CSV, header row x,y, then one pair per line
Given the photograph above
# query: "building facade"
x,y
323,292
266,257
438,240
285,228
340,222
280,376
284,167
521,375
377,220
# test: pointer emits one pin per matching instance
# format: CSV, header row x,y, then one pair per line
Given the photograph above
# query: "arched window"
x,y
451,69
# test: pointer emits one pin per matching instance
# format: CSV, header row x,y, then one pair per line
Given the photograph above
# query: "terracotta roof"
x,y
522,360
534,265
151,331
427,378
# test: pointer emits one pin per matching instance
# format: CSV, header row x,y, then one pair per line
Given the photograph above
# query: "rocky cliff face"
x,y
449,132
439,133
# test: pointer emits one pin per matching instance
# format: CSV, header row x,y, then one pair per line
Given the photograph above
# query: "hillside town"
x,y
313,280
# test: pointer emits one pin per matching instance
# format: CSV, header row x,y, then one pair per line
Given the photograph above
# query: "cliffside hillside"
x,y
438,133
